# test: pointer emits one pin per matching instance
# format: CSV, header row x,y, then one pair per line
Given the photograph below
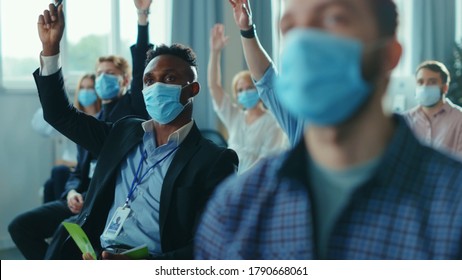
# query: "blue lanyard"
x,y
136,182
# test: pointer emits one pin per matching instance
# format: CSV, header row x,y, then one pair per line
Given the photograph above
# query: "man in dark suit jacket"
x,y
30,230
161,170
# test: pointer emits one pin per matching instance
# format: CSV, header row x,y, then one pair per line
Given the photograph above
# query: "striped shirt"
x,y
442,131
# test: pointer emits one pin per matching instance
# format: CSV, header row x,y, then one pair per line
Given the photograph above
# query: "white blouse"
x,y
254,141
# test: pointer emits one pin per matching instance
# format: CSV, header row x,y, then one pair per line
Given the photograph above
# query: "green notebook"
x,y
82,241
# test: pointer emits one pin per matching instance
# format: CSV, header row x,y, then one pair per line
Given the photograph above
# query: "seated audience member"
x,y
27,230
359,185
65,161
263,72
113,74
87,101
436,120
30,230
253,131
85,98
156,174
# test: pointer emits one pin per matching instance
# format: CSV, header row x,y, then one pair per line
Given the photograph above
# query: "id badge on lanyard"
x,y
121,214
115,225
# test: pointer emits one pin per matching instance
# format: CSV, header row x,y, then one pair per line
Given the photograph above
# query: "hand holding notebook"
x,y
81,239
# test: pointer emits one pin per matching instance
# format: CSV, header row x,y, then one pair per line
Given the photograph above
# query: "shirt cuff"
x,y
268,78
49,65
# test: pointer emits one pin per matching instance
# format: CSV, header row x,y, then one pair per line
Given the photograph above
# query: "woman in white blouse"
x,y
253,131
85,100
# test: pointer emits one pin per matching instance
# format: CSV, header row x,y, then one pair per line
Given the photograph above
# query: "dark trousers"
x,y
30,229
56,247
54,186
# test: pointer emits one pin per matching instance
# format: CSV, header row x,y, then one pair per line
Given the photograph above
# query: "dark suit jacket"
x,y
130,104
197,167
78,178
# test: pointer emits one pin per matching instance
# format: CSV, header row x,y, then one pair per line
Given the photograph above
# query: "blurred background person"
x,y
359,185
436,120
85,97
63,192
253,131
31,229
86,100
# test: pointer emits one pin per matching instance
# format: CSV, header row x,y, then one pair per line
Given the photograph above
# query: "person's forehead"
x,y
426,73
350,18
304,7
87,81
106,65
298,4
244,80
167,62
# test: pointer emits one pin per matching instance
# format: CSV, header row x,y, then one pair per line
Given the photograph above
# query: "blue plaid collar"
x,y
295,163
403,150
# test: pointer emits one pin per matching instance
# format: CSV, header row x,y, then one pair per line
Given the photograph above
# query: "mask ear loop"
x,y
190,99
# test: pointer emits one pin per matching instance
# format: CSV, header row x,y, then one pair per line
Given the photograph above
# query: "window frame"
x,y
458,21
2,89
114,47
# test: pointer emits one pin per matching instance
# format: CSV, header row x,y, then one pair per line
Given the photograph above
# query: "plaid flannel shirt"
x,y
411,208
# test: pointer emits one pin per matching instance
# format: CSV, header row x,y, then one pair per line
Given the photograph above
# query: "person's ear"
x,y
126,80
195,89
445,89
394,51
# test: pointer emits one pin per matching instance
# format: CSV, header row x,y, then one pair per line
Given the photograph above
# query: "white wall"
x,y
25,159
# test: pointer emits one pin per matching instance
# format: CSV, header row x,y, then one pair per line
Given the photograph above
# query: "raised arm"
x,y
57,110
138,51
256,57
142,45
143,7
218,41
259,64
51,28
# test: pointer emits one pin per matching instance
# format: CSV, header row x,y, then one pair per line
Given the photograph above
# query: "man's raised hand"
x,y
218,40
51,28
142,4
242,13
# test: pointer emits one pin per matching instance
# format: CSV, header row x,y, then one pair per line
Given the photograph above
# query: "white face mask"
x,y
428,96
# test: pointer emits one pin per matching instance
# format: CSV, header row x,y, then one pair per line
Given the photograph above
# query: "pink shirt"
x,y
443,130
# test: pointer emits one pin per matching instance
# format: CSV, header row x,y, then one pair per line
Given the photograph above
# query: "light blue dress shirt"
x,y
291,125
142,225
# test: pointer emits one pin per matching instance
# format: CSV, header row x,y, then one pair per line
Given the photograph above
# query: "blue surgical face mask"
x,y
321,79
428,96
163,102
248,98
87,97
107,86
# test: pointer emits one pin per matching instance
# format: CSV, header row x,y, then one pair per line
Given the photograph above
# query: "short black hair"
x,y
178,50
437,67
386,14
